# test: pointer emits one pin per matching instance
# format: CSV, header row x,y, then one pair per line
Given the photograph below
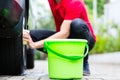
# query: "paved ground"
x,y
103,67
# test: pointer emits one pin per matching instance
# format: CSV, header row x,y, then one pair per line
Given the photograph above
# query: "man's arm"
x,y
64,31
62,34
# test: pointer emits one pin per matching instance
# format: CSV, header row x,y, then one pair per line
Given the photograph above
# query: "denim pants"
x,y
78,30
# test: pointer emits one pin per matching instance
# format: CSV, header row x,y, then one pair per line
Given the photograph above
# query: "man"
x,y
71,21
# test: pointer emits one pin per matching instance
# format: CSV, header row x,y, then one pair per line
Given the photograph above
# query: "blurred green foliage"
x,y
107,41
100,6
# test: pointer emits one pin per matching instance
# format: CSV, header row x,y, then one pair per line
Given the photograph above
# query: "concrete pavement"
x,y
105,66
102,66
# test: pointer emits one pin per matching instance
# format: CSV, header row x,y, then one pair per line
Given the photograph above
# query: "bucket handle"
x,y
67,57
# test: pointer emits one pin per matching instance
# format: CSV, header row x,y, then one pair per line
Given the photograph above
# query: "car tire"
x,y
30,59
11,56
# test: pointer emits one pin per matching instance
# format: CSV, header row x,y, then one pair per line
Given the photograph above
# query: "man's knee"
x,y
78,26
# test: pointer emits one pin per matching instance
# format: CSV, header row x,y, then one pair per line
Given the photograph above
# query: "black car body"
x,y
13,18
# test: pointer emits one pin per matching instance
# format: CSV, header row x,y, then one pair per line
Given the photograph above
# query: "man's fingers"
x,y
26,35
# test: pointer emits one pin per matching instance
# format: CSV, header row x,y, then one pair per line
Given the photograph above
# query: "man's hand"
x,y
27,38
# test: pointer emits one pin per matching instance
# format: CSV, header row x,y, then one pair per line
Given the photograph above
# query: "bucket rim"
x,y
47,48
66,40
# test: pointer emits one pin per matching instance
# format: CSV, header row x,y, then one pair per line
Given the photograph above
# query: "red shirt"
x,y
69,10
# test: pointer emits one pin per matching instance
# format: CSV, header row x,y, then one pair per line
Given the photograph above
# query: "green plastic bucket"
x,y
65,57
